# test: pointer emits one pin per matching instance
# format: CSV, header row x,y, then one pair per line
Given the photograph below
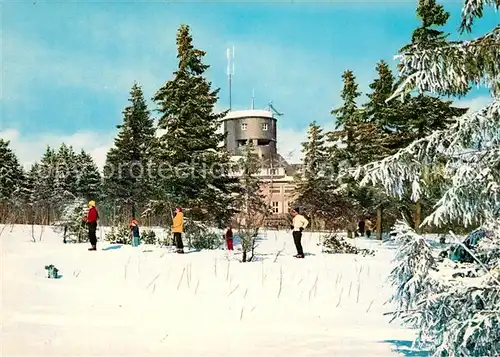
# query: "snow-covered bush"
x,y
72,223
148,237
332,244
200,236
456,306
248,237
119,235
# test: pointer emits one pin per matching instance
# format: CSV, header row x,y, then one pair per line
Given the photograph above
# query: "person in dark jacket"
x,y
228,236
361,227
92,217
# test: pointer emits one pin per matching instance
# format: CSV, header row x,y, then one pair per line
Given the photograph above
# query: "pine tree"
x,y
126,173
422,114
312,184
348,113
251,203
347,116
191,144
43,187
377,110
341,142
11,178
65,174
89,183
10,173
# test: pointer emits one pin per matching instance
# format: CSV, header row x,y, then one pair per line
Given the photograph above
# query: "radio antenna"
x,y
230,70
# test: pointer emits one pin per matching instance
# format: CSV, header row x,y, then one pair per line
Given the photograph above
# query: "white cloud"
x,y
290,142
475,103
26,62
30,148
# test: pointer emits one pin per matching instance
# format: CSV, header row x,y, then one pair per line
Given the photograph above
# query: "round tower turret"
x,y
256,125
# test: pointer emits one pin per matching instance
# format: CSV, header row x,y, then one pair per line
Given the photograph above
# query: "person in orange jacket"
x,y
178,229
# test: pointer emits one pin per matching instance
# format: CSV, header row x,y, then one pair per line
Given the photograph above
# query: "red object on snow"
x,y
229,238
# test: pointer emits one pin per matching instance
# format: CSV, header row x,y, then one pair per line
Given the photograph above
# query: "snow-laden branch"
x,y
451,69
471,147
473,9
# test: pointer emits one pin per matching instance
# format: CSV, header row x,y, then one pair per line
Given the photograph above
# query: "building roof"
x,y
259,113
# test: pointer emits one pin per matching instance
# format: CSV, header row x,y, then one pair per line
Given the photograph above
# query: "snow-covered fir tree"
x,y
423,113
313,184
44,184
89,182
65,174
11,178
456,305
199,177
126,172
355,142
377,110
72,221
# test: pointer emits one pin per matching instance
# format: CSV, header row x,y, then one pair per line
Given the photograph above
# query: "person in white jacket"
x,y
299,223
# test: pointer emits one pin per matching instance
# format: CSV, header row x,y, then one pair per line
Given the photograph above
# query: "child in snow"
x,y
134,228
228,236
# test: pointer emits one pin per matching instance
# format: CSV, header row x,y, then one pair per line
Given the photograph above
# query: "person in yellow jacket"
x,y
178,229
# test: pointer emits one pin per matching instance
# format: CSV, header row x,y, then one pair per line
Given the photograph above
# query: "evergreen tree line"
x,y
146,174
38,195
327,187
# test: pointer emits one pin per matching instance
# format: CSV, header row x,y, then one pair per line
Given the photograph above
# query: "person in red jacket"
x,y
228,236
92,217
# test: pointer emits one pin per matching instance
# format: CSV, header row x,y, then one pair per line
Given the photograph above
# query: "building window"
x,y
243,126
265,126
275,190
274,206
273,172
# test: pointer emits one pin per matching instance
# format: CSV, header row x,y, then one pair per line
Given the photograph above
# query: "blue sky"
x,y
68,67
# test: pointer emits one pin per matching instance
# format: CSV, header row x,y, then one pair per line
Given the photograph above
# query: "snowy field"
x,y
146,301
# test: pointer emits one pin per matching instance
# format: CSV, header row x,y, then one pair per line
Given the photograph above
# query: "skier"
x,y
228,236
298,224
178,228
92,217
134,228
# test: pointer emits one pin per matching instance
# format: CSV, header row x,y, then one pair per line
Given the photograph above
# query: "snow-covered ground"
x,y
145,301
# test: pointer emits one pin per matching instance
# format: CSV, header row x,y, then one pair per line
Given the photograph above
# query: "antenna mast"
x,y
230,70
253,99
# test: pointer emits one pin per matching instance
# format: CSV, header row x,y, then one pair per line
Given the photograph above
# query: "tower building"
x,y
259,126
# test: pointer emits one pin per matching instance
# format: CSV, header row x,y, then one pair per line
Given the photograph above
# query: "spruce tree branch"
x,y
474,9
465,170
475,258
449,69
